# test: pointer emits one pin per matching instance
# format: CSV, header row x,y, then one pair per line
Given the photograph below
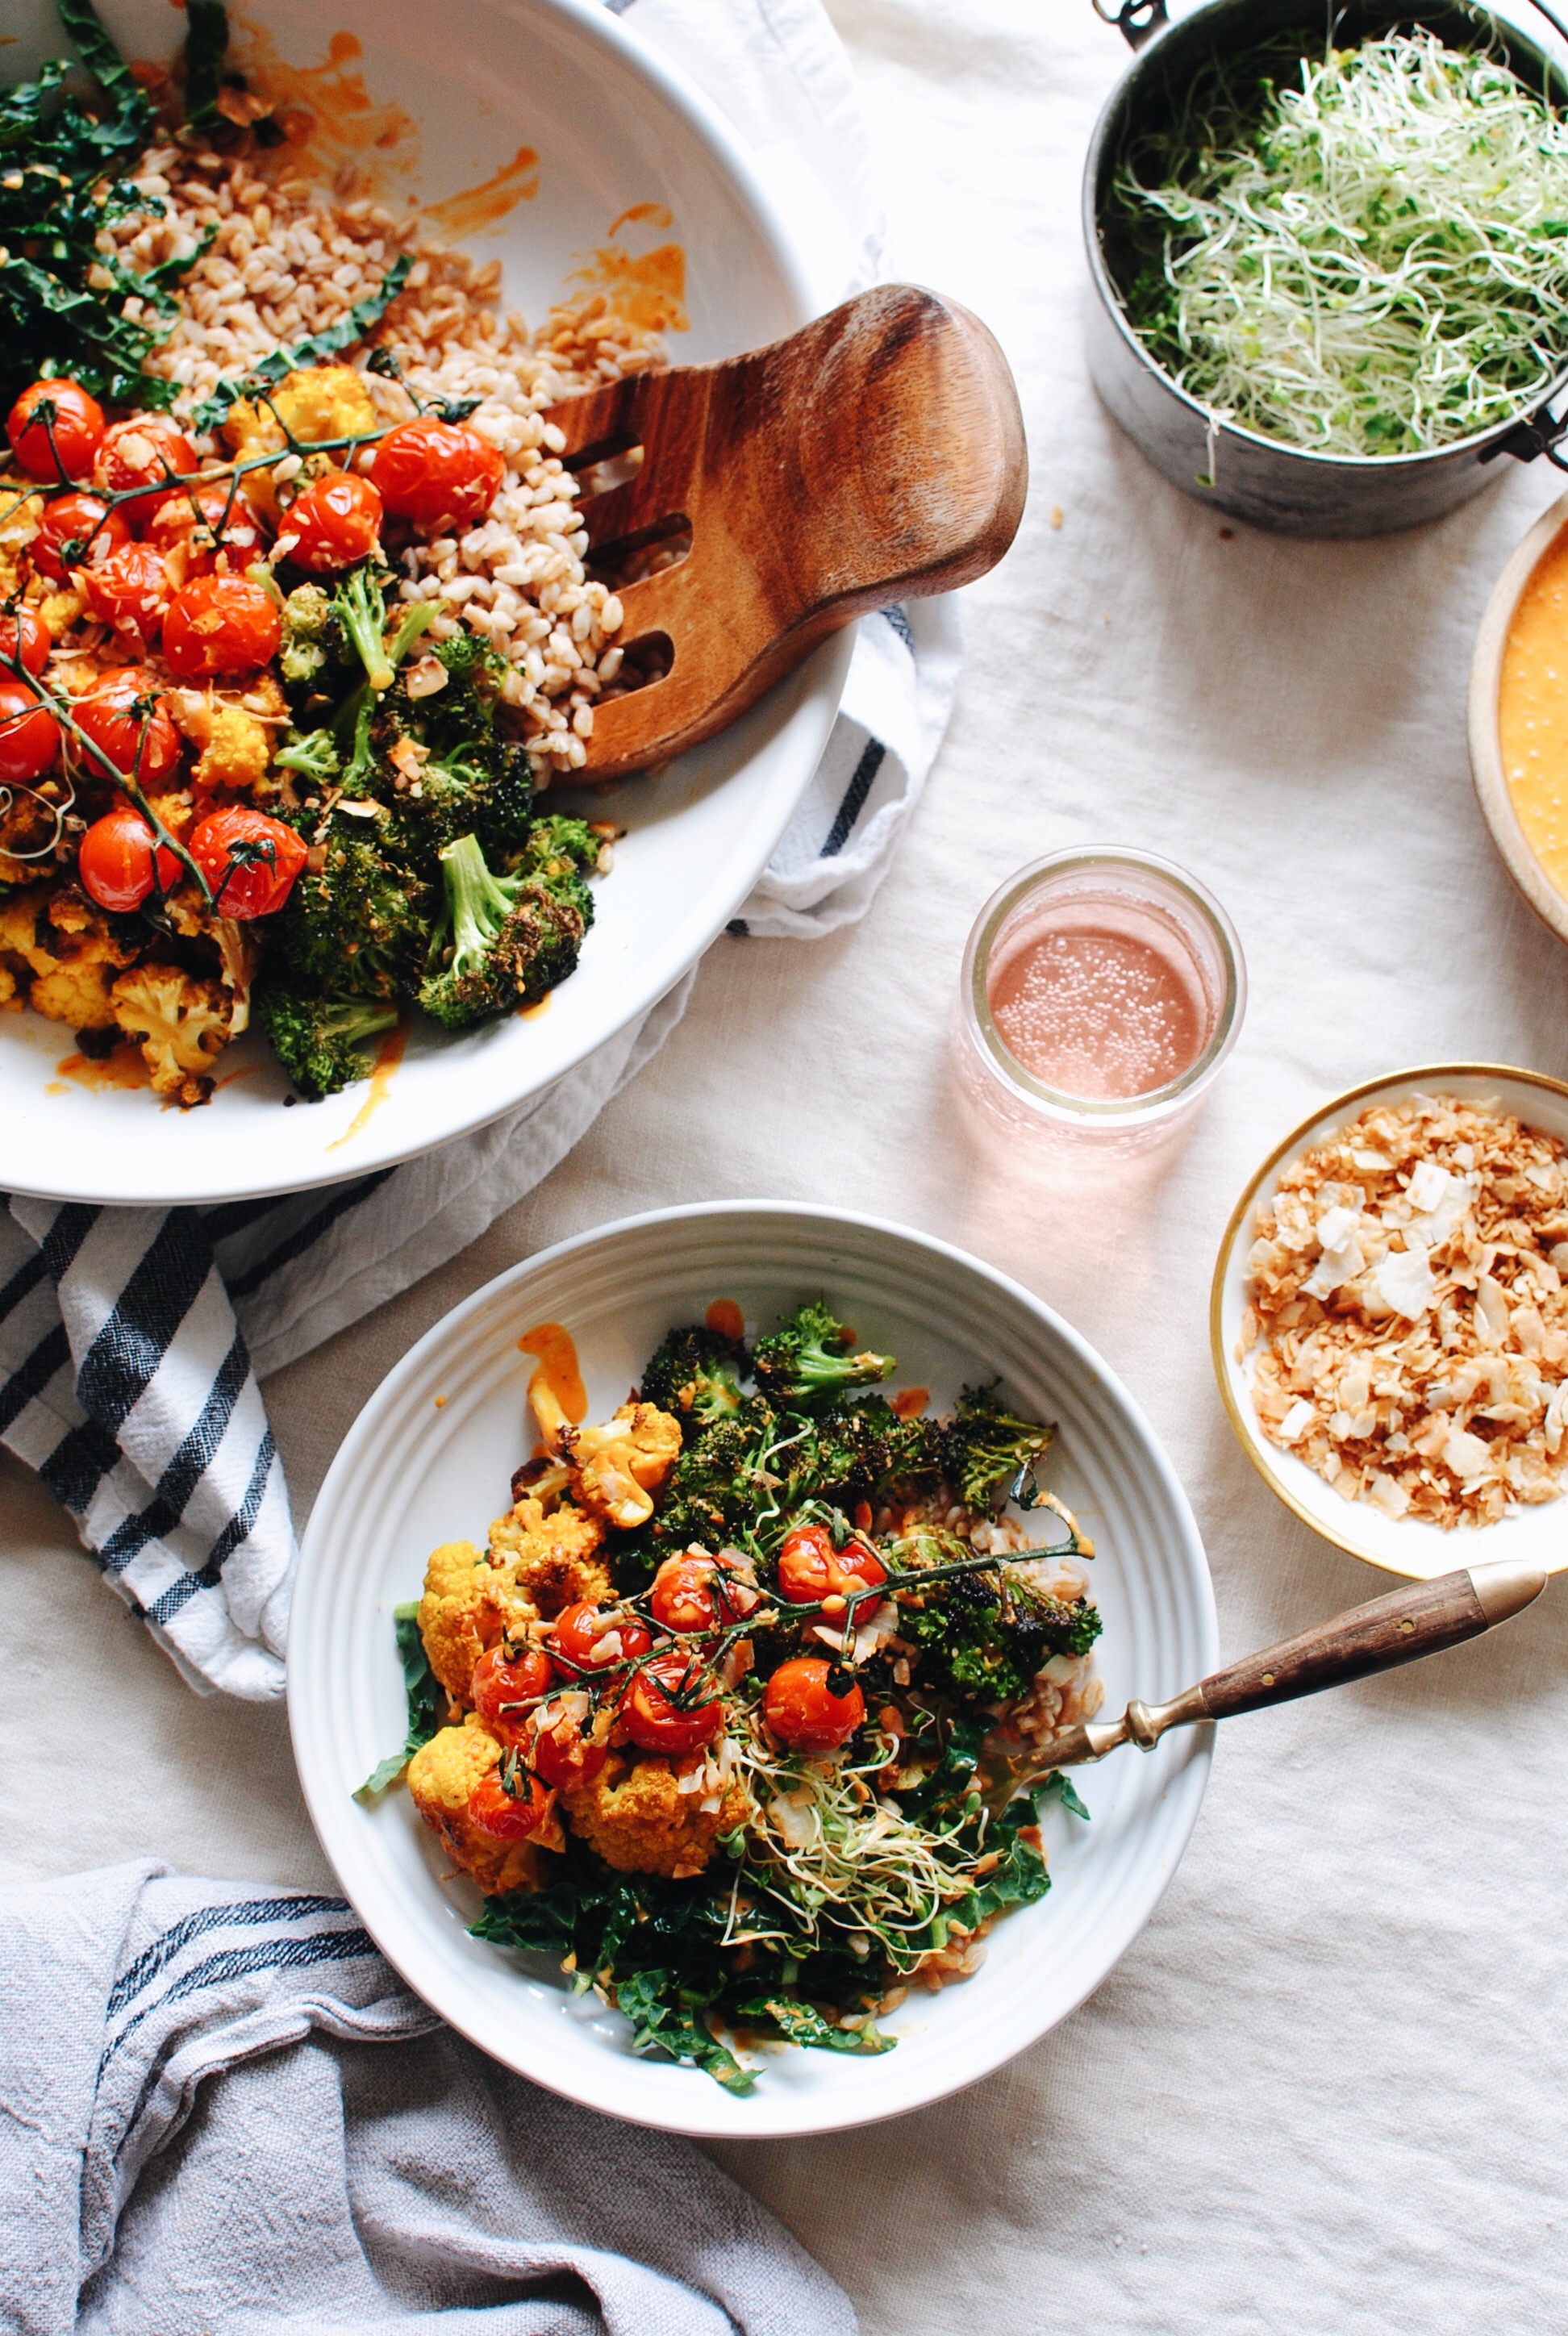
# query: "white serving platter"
x,y
614,127
430,1460
1407,1545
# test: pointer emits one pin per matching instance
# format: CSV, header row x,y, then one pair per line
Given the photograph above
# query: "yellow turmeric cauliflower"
x,y
620,1465
469,1604
554,1559
69,954
236,752
440,1776
181,1022
636,1816
317,403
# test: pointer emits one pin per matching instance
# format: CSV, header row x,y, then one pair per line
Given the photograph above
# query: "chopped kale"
x,y
425,1702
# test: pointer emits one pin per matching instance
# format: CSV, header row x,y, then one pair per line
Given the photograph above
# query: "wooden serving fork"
x,y
875,455
1421,1618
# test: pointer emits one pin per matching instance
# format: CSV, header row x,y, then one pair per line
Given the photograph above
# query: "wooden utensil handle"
x,y
1421,1618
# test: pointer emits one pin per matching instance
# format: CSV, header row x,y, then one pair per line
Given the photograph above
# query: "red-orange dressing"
x,y
910,1401
557,1370
646,289
333,129
387,1063
122,1067
467,213
724,1318
540,1006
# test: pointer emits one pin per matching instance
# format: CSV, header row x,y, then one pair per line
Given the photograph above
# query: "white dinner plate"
x,y
614,127
1407,1545
430,1460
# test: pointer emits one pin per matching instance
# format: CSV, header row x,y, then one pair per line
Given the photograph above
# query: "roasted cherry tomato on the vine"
x,y
249,861
560,1754
811,1569
25,638
75,424
219,627
130,592
806,1712
672,1705
695,1592
29,734
121,861
77,531
335,522
586,1639
505,1688
132,726
508,1816
144,451
201,523
439,475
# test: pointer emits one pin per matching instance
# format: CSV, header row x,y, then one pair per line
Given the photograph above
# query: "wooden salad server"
x,y
1421,1618
875,455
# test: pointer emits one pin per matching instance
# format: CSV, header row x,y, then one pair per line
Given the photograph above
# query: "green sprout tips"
x,y
508,940
319,1039
806,1363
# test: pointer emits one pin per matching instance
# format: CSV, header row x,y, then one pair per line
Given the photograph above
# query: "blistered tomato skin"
x,y
249,861
811,1569
130,592
144,451
132,726
122,862
581,1629
804,1711
507,1817
220,627
335,522
29,734
504,1687
439,475
76,427
77,531
31,648
199,524
668,1706
563,1758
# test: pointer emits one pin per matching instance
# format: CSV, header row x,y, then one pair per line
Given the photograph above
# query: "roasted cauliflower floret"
x,y
469,1604
236,751
317,403
70,951
636,1816
180,1021
440,1776
554,1558
620,1465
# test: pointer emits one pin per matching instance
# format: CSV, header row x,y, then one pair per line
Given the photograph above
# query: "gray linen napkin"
x,y
221,2115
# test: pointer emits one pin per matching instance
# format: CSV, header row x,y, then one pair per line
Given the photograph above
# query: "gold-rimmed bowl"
x,y
1398,1545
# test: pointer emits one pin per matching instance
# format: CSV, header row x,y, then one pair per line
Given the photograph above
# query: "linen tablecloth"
x,y
1325,2092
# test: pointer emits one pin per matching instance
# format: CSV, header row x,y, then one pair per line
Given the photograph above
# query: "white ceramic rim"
x,y
1492,789
1411,1548
714,2115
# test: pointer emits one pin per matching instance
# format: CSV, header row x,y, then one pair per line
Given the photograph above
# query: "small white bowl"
x,y
1492,789
1398,1545
429,1460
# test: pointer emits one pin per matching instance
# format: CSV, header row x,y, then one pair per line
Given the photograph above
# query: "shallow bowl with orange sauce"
x,y
1518,717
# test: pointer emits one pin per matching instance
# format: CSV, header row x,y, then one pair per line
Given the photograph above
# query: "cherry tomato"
x,y
662,1711
121,861
34,643
130,592
811,1569
503,1684
508,1816
582,1630
194,523
77,531
148,451
76,426
335,522
804,1712
29,734
134,728
436,473
218,627
561,1755
694,1594
249,861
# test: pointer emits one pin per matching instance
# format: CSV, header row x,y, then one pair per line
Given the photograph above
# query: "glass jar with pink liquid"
x,y
1101,991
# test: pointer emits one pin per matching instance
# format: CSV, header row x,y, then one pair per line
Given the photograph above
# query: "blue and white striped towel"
x,y
202,2126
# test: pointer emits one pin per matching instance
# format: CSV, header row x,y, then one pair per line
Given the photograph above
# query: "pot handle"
x,y
1139,20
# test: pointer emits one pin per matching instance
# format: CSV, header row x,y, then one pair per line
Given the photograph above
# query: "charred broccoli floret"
x,y
359,611
988,1634
507,942
307,613
805,1364
863,1450
483,789
719,1479
696,1374
317,1040
560,854
313,754
361,922
991,1454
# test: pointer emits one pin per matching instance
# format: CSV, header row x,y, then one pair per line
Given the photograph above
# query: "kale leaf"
x,y
426,1700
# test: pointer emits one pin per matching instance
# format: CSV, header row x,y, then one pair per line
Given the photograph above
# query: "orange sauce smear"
x,y
558,1373
123,1067
646,288
460,216
387,1061
724,1318
333,129
910,1401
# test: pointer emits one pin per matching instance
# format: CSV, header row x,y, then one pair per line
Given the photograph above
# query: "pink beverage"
x,y
1097,1009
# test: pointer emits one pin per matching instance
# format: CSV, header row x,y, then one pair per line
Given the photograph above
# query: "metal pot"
x,y
1286,488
